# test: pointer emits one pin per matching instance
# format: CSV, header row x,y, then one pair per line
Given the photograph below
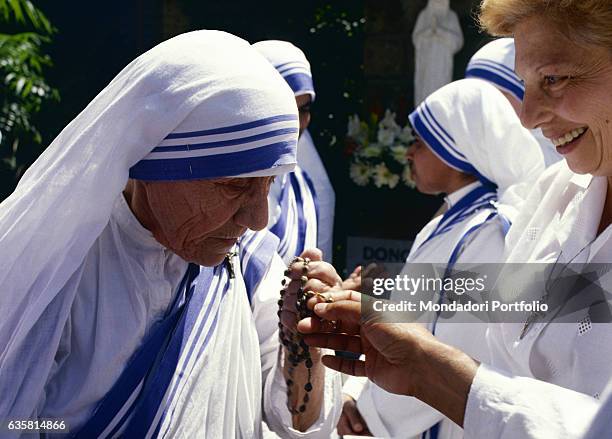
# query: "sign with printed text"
x,y
363,250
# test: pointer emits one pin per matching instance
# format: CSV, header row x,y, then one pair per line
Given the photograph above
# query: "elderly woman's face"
x,y
568,94
201,220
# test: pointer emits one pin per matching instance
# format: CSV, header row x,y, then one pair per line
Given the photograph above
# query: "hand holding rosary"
x,y
292,307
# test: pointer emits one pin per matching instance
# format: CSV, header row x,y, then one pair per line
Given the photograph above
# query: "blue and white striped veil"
x,y
201,105
291,63
494,63
473,128
294,211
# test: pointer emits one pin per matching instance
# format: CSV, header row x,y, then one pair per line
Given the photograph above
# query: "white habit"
x,y
90,287
310,161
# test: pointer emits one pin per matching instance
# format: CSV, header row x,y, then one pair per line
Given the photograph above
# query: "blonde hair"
x,y
584,21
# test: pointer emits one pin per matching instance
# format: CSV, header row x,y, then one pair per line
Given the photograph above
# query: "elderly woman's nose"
x,y
535,109
254,212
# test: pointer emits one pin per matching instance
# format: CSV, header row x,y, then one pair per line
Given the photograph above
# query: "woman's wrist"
x,y
443,376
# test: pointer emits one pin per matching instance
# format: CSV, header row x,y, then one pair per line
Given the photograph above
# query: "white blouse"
x,y
531,399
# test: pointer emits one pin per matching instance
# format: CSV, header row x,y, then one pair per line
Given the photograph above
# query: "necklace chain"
x,y
534,315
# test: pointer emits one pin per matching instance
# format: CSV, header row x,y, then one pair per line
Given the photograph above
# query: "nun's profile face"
x,y
303,103
201,220
431,175
567,94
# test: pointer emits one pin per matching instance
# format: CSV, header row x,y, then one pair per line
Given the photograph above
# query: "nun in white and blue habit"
x,y
105,328
471,128
302,202
494,63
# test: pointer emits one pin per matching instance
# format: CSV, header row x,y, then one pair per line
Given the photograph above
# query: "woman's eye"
x,y
555,80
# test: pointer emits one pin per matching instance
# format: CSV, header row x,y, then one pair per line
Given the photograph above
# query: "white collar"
x,y
581,180
452,198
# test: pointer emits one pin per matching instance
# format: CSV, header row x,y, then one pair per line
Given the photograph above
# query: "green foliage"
x,y
25,13
24,89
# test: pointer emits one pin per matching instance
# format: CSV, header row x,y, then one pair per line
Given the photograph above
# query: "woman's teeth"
x,y
568,137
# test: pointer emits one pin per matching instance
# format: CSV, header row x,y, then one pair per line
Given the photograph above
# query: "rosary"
x,y
298,350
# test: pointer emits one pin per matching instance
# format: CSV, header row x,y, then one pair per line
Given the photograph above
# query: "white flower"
x,y
399,154
383,176
385,137
406,135
371,151
407,177
388,123
393,180
360,173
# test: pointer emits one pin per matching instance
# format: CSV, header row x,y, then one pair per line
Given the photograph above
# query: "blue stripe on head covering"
x,y
234,128
216,166
228,151
443,135
230,142
300,83
441,143
500,75
291,63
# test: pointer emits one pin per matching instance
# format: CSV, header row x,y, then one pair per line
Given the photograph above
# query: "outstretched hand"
x,y
391,349
402,358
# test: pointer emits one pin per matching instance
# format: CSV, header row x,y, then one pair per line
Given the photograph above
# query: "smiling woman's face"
x,y
568,94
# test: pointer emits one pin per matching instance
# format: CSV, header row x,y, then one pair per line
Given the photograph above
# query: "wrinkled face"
x,y
303,104
567,94
431,175
201,220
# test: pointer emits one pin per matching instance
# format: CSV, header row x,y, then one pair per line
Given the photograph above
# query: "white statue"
x,y
437,37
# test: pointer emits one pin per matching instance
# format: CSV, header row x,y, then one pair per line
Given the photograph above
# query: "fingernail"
x,y
320,307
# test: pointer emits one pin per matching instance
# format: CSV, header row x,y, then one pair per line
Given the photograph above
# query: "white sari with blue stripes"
x,y
197,371
473,232
200,372
293,208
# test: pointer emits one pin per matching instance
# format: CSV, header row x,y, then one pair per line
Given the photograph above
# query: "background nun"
x,y
470,146
119,317
302,202
494,63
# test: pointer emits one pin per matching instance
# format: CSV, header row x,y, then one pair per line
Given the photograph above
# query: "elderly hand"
x,y
322,277
390,349
402,358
